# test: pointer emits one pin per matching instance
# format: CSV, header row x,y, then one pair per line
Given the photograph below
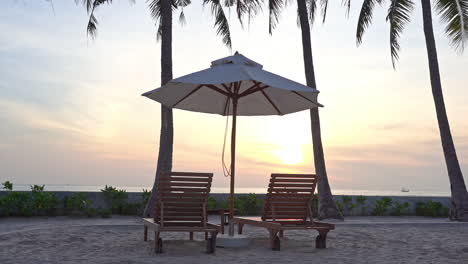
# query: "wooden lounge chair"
x,y
182,207
288,206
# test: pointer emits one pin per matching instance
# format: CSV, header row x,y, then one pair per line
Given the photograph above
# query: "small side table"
x,y
224,216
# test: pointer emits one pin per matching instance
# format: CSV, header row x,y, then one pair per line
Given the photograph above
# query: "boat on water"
x,y
403,189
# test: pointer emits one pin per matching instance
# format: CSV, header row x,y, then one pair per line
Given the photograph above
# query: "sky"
x,y
71,110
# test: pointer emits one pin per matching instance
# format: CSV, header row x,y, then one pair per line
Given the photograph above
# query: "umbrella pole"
x,y
233,165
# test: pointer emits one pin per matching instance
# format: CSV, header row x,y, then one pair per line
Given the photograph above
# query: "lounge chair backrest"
x,y
182,198
289,198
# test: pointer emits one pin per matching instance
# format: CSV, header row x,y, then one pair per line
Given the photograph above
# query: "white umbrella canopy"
x,y
259,92
235,85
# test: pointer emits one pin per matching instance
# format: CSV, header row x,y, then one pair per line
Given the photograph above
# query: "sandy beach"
x,y
119,240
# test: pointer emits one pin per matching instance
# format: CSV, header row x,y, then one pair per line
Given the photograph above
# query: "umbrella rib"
x,y
302,96
213,87
271,102
189,94
256,84
228,89
253,91
226,105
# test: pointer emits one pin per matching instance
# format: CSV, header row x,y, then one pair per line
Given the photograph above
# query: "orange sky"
x,y
72,112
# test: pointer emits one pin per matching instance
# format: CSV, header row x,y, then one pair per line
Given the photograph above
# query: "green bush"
x,y
431,208
115,199
36,202
315,205
17,203
212,203
92,212
77,204
382,206
245,205
248,205
340,206
44,203
131,208
400,209
361,201
105,213
348,204
7,185
37,188
224,204
145,196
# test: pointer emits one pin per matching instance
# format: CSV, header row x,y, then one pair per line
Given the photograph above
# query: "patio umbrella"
x,y
236,86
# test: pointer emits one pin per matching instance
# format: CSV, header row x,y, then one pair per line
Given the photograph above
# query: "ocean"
x,y
90,188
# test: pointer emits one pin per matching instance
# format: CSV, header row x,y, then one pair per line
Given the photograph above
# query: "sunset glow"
x,y
82,104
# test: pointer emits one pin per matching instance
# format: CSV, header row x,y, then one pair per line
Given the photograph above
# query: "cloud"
x,y
393,126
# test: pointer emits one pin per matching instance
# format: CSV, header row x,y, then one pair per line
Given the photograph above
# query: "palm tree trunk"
x,y
327,207
457,184
167,127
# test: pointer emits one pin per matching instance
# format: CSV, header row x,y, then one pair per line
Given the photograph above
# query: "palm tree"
x,y
454,13
306,13
161,11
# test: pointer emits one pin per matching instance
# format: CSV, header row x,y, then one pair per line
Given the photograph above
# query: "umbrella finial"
x,y
236,53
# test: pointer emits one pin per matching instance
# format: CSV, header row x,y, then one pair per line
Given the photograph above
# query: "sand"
x,y
120,240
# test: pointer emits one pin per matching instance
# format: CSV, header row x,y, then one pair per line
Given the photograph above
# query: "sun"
x,y
290,155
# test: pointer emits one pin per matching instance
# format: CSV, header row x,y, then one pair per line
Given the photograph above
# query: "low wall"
x,y
98,201
370,202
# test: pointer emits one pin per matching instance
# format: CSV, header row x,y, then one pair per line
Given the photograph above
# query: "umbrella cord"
x,y
226,169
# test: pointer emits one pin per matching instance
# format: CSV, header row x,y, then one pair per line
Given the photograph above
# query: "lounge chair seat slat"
x,y
181,206
304,180
293,185
193,174
276,175
164,184
184,179
288,207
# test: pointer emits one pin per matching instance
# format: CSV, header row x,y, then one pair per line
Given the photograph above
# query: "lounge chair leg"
x,y
158,243
231,229
145,235
211,243
275,242
223,221
240,228
191,235
281,234
321,240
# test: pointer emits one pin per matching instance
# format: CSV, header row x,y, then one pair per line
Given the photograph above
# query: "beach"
x,y
120,240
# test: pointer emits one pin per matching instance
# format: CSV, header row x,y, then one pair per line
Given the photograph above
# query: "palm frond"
x,y
241,9
155,9
455,14
229,3
159,32
88,4
52,5
311,10
347,5
91,6
324,7
91,28
251,9
221,22
398,16
182,3
274,10
365,18
182,19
